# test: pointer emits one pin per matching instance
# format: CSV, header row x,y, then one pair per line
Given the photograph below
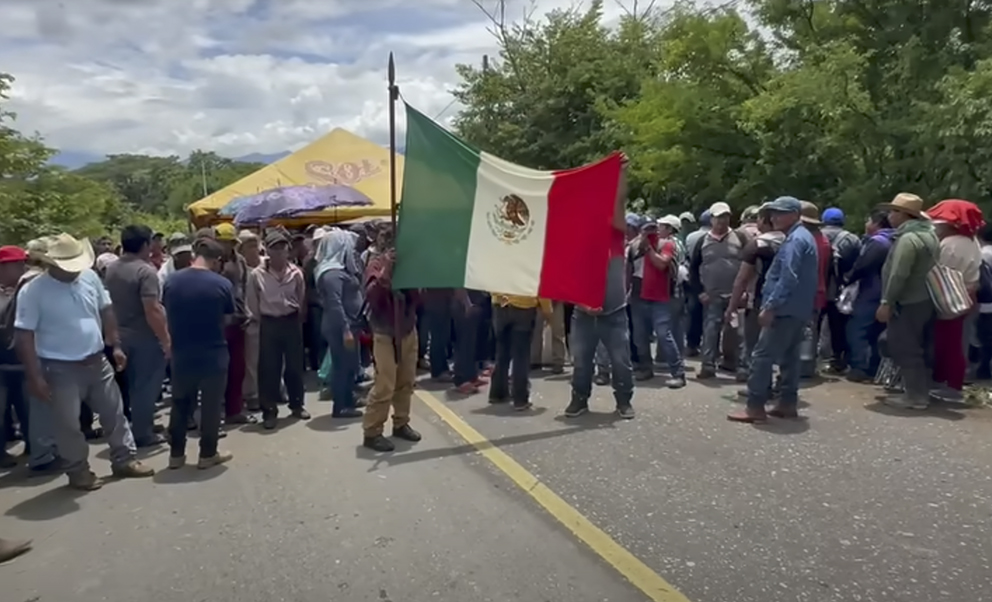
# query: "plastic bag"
x,y
325,367
846,298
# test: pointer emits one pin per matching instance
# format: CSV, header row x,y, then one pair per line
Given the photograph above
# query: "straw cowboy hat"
x,y
809,213
907,203
68,254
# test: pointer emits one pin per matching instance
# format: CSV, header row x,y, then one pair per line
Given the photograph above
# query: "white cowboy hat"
x,y
69,254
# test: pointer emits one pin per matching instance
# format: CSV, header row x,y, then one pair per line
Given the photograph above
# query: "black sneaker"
x,y
497,400
576,408
379,444
347,413
270,422
300,413
522,406
602,379
406,433
625,411
675,382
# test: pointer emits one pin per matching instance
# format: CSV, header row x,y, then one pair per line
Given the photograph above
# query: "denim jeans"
x,y
40,433
13,398
713,313
777,344
145,374
439,331
642,322
862,334
751,330
588,331
344,369
677,309
93,380
466,349
661,319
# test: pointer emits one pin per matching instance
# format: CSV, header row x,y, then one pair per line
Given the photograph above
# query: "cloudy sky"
x,y
234,76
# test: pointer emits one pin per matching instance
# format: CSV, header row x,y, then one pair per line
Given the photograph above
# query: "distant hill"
x,y
75,160
262,157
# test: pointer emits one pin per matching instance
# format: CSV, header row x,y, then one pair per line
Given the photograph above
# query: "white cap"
x,y
687,216
672,221
719,209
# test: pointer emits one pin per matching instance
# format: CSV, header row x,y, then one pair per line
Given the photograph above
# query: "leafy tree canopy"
x,y
842,102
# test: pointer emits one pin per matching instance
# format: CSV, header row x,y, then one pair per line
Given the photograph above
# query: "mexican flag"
x,y
470,220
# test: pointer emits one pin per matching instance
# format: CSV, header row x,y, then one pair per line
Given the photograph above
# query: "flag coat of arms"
x,y
470,220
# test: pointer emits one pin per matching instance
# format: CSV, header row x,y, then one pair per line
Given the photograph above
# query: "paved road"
x,y
850,505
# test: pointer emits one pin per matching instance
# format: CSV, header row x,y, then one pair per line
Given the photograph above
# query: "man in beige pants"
x,y
251,251
557,339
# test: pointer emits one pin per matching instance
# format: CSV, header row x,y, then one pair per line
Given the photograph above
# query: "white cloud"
x,y
233,76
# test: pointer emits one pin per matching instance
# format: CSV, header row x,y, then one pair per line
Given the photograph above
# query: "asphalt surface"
x,y
852,504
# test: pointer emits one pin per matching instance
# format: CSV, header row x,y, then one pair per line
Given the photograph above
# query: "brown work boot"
x,y
748,416
132,469
12,548
85,480
217,459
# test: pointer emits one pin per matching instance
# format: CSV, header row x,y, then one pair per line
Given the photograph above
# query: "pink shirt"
x,y
275,294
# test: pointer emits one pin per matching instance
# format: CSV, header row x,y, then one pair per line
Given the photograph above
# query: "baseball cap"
x,y
247,236
181,248
226,232
672,221
687,216
719,209
705,218
833,216
633,220
784,204
750,212
177,238
12,254
276,236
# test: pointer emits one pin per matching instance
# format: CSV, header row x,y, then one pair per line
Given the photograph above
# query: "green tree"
x,y
38,199
843,102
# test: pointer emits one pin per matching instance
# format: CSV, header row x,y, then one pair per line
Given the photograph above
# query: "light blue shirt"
x,y
64,316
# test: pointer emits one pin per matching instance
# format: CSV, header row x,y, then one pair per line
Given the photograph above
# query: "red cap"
x,y
10,254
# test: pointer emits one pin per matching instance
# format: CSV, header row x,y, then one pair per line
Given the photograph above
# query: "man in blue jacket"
x,y
787,304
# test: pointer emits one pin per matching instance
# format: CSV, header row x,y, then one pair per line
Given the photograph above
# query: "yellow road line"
x,y
638,573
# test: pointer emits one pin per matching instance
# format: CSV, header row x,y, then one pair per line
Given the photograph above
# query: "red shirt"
x,y
656,285
824,255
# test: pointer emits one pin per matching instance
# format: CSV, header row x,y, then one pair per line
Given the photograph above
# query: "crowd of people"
x,y
223,325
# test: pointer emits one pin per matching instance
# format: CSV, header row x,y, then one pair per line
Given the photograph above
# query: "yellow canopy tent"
x,y
339,157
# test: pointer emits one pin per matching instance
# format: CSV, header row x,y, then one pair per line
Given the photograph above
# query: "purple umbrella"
x,y
293,200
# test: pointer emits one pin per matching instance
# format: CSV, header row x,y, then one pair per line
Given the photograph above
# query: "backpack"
x,y
8,313
984,293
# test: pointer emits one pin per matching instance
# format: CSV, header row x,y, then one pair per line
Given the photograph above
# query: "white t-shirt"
x,y
964,255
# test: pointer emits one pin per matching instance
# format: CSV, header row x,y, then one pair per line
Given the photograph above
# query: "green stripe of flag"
x,y
435,215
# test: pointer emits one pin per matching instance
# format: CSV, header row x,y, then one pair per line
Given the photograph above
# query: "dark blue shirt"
x,y
790,285
196,302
